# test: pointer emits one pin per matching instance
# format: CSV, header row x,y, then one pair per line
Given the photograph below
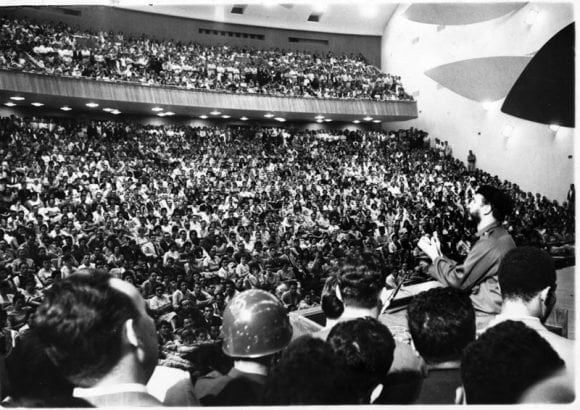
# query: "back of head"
x,y
525,271
33,378
364,348
360,284
307,374
255,324
331,305
441,323
505,361
81,321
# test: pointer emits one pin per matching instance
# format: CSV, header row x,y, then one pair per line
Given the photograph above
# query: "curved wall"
x,y
451,70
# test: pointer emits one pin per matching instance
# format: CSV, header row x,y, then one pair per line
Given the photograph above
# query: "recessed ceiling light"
x,y
356,121
280,119
319,121
215,112
169,113
226,116
156,109
319,117
108,109
9,104
244,118
327,120
92,105
161,114
367,118
17,98
37,104
376,121
115,112
203,117
269,115
66,108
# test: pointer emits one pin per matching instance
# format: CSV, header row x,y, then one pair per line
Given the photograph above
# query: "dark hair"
x,y
307,374
364,348
505,361
359,285
441,323
501,204
81,321
33,378
331,305
525,271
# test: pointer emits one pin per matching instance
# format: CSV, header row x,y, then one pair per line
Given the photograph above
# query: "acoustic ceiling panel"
x,y
545,90
459,13
480,79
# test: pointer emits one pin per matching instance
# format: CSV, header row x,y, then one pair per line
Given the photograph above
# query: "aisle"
x,y
565,293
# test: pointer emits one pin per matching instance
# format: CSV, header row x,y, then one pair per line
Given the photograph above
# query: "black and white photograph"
x,y
287,203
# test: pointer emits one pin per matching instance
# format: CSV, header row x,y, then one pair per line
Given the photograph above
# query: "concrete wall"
x,y
182,29
534,156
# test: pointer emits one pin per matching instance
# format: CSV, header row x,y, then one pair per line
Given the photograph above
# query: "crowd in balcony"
x,y
57,49
195,216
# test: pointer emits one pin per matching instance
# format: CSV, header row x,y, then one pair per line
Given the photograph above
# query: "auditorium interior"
x,y
207,149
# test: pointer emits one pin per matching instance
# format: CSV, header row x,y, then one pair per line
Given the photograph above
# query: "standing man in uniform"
x,y
478,273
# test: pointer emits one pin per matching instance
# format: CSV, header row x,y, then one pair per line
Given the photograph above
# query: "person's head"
x,y
527,275
331,305
308,374
441,323
255,324
364,347
94,325
33,379
359,286
489,202
504,361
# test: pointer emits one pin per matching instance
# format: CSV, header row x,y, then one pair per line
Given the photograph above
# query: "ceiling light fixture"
x,y
367,118
268,115
37,104
532,17
280,119
156,109
9,104
203,117
169,113
319,121
108,109
319,117
244,118
225,116
92,105
327,120
376,121
215,112
17,98
66,108
507,131
356,122
115,112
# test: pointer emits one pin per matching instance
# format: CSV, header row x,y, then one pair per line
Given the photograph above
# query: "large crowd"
x,y
195,216
57,49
